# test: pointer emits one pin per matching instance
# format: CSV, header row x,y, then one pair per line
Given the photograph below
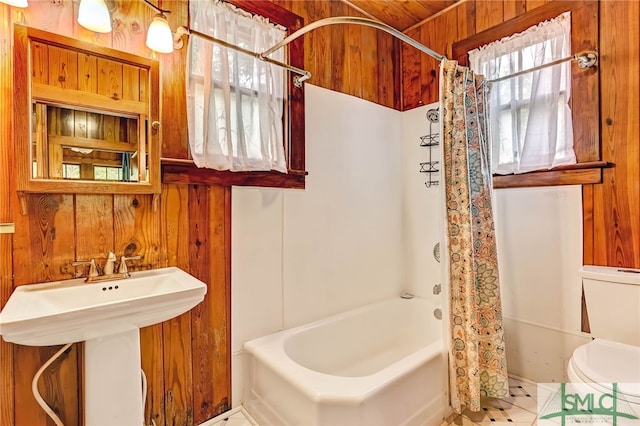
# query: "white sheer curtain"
x,y
234,101
530,117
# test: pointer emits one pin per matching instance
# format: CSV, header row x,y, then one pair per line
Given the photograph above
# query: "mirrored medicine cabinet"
x,y
85,117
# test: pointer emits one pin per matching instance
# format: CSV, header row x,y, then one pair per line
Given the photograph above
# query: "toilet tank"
x,y
612,296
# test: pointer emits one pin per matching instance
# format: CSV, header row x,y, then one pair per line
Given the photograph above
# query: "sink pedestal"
x,y
113,384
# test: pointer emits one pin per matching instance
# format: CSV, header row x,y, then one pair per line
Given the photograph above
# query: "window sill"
x,y
186,172
575,174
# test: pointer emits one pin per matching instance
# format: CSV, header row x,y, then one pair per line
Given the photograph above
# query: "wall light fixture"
x,y
94,16
15,3
159,34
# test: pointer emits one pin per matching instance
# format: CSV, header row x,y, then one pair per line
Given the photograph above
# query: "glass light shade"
x,y
15,3
159,35
94,16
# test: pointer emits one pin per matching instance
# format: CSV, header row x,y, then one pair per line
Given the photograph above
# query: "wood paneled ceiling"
x,y
400,14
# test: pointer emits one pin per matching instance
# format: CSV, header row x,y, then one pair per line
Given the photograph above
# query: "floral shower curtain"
x,y
477,359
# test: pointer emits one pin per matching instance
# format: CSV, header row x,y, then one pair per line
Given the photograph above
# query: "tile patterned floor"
x,y
519,409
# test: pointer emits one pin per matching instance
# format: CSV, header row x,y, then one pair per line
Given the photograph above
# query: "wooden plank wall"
x,y
7,188
468,17
352,59
611,210
187,359
188,378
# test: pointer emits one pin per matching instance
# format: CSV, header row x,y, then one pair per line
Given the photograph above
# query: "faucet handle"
x,y
122,269
109,264
93,268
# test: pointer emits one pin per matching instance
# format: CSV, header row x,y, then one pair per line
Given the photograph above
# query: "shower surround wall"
x,y
364,229
539,236
298,256
421,206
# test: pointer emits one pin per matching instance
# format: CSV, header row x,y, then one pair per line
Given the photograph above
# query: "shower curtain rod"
x,y
586,59
304,75
354,20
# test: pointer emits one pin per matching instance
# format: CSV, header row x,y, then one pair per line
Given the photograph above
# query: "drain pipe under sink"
x,y
45,406
34,386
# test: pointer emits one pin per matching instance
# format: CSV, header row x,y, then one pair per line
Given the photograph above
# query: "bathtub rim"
x,y
323,387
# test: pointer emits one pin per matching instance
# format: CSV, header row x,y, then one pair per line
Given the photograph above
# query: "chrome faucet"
x,y
108,270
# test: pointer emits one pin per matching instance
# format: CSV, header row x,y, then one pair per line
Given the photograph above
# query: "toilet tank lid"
x,y
611,274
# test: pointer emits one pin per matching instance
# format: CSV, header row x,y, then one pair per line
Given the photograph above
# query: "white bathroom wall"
x,y
421,206
539,237
256,263
299,255
342,233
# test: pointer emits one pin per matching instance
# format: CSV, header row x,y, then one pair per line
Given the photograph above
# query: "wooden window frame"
x,y
184,171
585,94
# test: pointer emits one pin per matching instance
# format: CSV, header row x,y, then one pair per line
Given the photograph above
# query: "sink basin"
x,y
72,311
107,316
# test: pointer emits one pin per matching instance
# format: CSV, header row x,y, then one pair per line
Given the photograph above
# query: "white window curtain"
x,y
234,101
530,117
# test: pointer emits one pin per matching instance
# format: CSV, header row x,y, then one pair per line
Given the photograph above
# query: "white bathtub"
x,y
382,364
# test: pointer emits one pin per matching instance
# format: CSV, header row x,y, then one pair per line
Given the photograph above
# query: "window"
x,y
70,171
176,170
530,121
235,100
107,173
584,99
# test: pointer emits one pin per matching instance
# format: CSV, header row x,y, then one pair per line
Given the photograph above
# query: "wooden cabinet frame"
x,y
139,101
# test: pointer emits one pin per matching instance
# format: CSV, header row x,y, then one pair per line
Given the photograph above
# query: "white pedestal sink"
x,y
108,316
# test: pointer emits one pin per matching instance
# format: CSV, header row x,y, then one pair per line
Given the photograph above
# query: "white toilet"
x,y
612,296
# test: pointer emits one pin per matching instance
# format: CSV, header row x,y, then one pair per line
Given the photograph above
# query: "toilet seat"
x,y
602,362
